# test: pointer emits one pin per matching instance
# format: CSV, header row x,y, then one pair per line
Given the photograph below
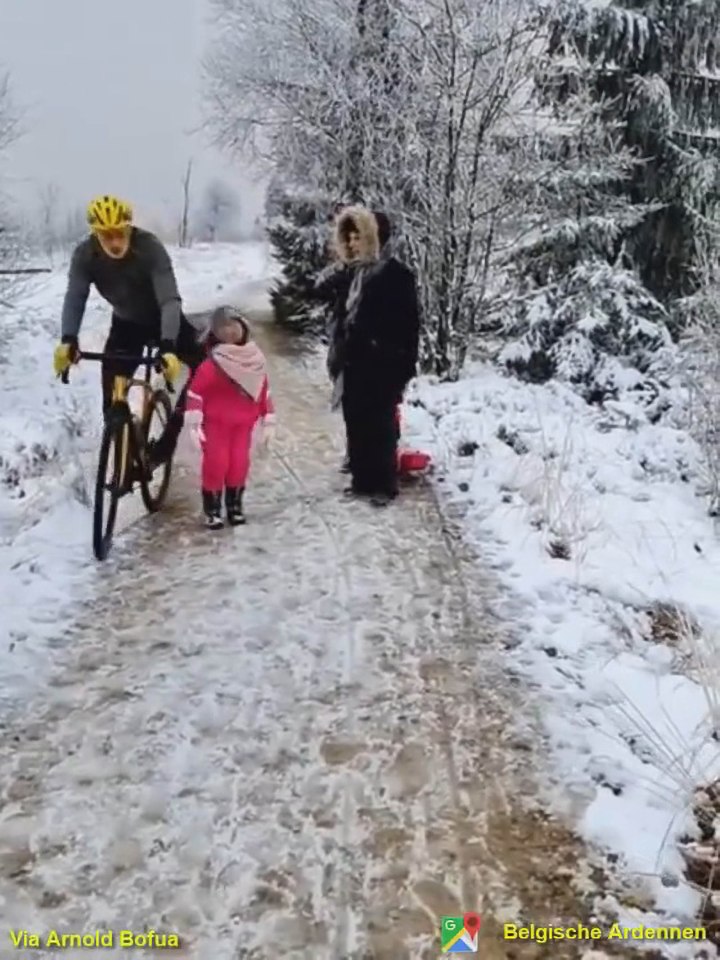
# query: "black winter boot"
x,y
382,499
234,506
212,508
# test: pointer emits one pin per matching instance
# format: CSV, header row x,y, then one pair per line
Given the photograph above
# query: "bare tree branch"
x,y
10,243
183,229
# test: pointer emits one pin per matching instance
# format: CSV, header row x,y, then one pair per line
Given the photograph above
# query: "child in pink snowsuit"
x,y
227,396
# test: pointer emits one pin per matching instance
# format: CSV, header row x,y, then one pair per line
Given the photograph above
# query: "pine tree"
x,y
654,65
298,234
576,314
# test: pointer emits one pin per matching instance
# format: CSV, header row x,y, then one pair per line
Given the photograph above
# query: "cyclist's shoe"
x,y
212,509
234,506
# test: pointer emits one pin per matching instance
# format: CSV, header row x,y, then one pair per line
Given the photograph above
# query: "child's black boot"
x,y
234,506
212,508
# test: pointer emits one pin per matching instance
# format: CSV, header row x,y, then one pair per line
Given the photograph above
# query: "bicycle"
x,y
127,437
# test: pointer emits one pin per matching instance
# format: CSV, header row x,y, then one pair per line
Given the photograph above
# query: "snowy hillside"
x,y
48,441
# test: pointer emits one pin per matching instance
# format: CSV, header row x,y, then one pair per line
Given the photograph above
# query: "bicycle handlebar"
x,y
153,361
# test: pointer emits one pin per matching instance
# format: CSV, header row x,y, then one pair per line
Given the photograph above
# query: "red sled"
x,y
411,463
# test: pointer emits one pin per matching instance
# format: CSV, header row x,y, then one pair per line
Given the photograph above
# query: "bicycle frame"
x,y
120,390
120,403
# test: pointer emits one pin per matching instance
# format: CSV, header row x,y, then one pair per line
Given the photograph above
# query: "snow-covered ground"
x,y
48,441
272,741
591,520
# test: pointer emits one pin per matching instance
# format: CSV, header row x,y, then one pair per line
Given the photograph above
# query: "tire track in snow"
x,y
450,601
457,598
342,592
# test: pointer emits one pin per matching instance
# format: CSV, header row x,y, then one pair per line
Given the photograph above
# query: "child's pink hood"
x,y
245,364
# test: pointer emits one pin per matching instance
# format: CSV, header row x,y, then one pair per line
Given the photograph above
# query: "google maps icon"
x,y
460,934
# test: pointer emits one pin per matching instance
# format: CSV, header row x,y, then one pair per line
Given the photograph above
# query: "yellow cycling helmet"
x,y
108,213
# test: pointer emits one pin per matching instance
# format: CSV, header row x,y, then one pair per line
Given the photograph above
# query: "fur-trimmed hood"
x,y
363,221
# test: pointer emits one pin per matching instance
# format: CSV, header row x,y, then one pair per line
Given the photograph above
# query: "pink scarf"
x,y
245,365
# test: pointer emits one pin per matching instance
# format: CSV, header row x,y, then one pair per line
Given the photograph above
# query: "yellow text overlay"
x,y
512,931
127,939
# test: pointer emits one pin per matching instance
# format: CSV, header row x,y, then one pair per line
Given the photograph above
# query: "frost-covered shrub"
x,y
698,317
597,329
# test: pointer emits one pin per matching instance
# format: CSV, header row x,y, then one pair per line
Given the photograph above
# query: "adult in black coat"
x,y
332,285
382,330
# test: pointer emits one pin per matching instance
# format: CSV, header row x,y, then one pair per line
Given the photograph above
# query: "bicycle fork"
x,y
141,451
128,436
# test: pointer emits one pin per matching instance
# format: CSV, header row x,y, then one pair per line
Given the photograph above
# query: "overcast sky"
x,y
110,93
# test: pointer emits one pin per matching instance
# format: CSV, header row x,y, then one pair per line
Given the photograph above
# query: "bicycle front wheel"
x,y
114,456
154,489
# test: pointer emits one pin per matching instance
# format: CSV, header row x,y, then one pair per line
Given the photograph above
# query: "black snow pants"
x,y
372,438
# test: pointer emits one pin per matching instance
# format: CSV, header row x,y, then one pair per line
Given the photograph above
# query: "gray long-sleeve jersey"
x,y
141,287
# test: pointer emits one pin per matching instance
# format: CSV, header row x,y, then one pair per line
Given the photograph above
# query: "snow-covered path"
x,y
292,739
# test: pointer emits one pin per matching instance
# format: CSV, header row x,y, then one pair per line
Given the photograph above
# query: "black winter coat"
x,y
333,286
383,330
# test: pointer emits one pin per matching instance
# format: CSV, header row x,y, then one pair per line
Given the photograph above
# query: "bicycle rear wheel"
x,y
154,490
114,454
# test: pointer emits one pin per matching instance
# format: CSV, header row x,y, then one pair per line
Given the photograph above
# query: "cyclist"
x,y
131,269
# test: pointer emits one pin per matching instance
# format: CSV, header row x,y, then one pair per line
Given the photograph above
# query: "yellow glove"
x,y
171,367
64,357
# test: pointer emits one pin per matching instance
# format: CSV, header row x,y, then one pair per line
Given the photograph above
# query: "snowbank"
x,y
49,437
610,567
